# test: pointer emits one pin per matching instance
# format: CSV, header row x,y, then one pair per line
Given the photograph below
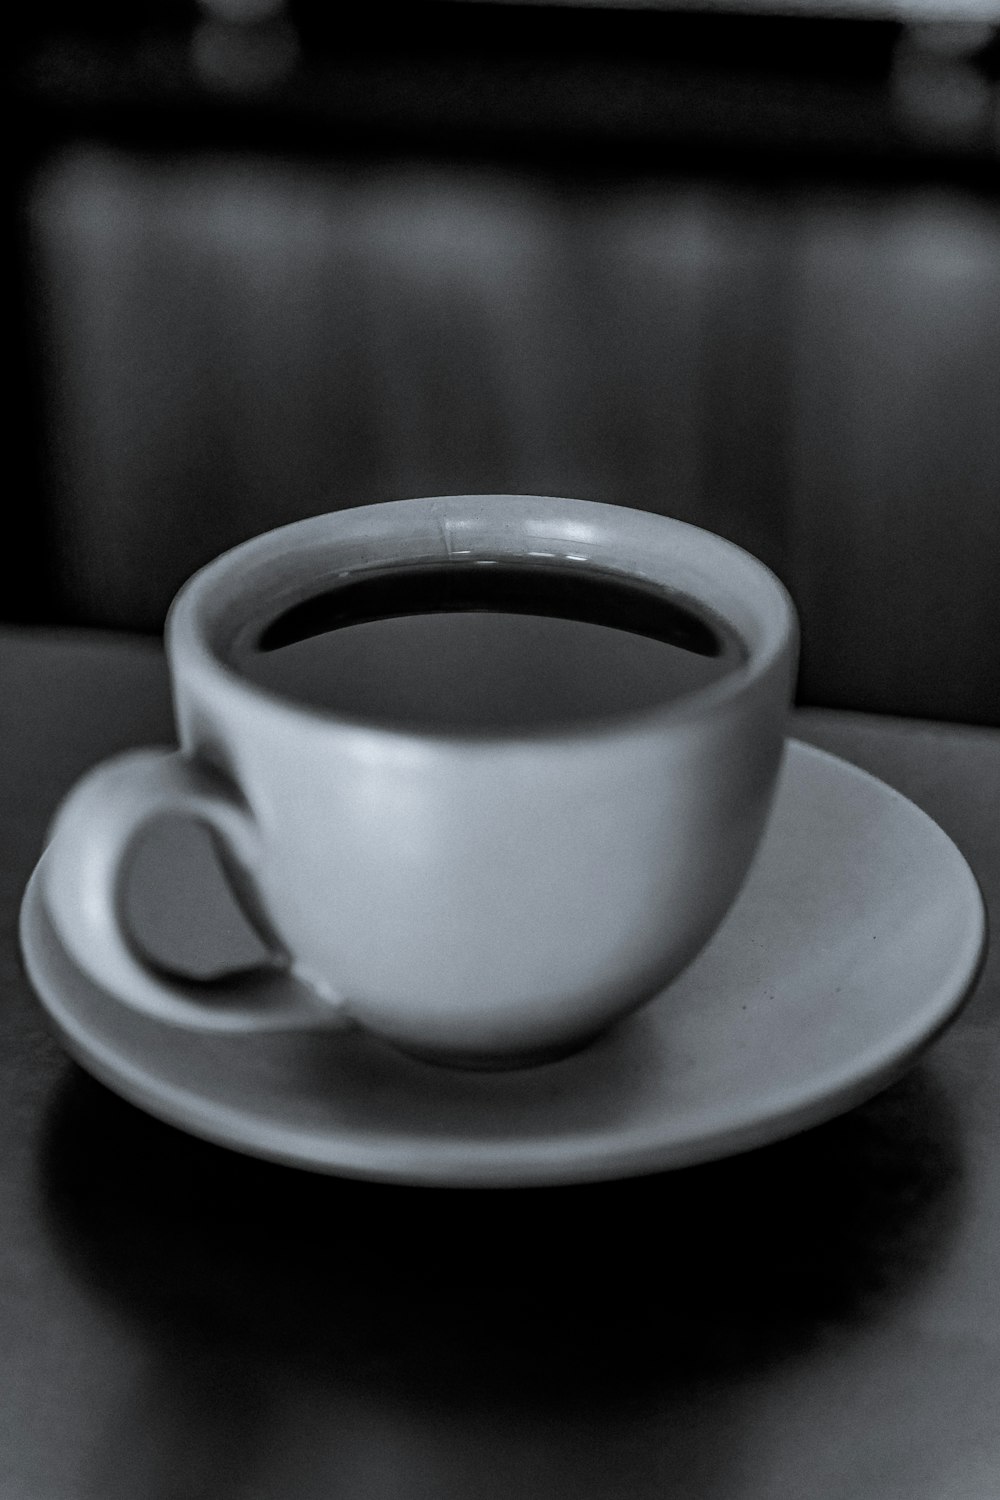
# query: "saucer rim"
x,y
597,1156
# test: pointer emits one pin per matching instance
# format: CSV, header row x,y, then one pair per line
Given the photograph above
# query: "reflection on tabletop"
x,y
276,1305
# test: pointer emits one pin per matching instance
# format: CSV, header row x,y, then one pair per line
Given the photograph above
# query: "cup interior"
x,y
228,608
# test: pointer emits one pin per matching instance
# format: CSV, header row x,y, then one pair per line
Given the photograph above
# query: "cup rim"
x,y
206,604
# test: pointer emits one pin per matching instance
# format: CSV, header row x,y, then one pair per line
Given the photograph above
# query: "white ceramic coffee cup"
x,y
476,899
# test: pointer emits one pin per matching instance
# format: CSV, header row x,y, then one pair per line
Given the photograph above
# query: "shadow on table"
x,y
258,1288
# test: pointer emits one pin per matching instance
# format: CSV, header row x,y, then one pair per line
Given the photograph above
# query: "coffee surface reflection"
x,y
488,647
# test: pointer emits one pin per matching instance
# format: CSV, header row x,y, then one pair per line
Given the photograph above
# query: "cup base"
x,y
499,1062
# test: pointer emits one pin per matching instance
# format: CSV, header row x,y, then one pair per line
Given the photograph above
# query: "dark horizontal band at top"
x,y
566,592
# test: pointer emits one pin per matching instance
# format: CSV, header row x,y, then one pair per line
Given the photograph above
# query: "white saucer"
x,y
855,940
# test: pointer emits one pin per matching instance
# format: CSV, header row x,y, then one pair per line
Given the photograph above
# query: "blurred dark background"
x,y
736,265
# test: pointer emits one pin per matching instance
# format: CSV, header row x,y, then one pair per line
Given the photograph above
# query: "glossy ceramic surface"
x,y
483,899
853,943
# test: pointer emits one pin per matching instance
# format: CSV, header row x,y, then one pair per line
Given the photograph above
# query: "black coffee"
x,y
489,646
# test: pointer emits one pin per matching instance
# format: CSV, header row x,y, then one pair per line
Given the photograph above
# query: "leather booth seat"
x,y
230,342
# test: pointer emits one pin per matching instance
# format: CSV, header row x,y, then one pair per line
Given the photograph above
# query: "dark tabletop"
x,y
819,1318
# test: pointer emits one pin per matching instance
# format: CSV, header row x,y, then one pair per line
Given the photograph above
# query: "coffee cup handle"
x,y
83,872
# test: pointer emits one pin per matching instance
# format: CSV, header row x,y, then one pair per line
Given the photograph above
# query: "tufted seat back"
x,y
230,343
